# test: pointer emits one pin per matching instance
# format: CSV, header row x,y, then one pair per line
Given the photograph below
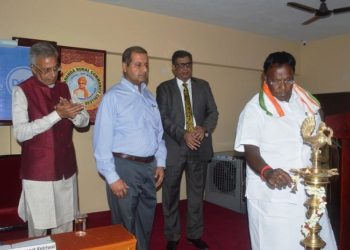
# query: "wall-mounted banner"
x,y
14,69
84,72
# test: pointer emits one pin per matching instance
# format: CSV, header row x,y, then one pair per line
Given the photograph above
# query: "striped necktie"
x,y
188,109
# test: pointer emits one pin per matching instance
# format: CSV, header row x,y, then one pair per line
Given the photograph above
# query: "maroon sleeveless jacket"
x,y
48,156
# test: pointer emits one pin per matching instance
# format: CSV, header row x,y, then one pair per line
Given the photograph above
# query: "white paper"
x,y
44,243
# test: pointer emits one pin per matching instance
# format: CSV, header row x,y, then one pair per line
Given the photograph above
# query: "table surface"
x,y
99,238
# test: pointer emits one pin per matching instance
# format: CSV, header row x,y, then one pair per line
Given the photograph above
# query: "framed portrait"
x,y
84,70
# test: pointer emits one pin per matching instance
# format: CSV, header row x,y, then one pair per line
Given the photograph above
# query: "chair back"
x,y
10,190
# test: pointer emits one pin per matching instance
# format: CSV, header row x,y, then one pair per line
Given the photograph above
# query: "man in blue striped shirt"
x,y
128,146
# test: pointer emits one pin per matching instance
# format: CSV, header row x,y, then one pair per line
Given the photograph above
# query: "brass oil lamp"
x,y
316,179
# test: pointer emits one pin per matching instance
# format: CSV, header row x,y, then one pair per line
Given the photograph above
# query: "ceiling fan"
x,y
321,12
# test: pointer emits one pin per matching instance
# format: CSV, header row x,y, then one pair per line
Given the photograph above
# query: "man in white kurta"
x,y
45,204
56,208
269,132
274,212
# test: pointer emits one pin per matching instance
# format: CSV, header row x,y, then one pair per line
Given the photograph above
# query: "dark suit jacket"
x,y
173,118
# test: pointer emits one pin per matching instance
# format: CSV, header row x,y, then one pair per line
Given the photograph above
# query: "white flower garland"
x,y
295,183
320,194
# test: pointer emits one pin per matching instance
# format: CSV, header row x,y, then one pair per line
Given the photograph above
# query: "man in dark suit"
x,y
189,115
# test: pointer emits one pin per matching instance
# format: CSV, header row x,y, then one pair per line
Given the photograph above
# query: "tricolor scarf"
x,y
272,108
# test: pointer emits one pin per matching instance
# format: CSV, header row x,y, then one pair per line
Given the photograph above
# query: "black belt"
x,y
147,159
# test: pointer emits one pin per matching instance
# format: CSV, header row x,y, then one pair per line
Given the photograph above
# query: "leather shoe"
x,y
198,243
171,245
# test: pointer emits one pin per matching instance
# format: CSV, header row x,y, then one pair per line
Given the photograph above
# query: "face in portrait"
x,y
82,91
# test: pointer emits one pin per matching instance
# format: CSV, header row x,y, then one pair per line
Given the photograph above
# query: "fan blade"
x,y
313,19
301,7
341,10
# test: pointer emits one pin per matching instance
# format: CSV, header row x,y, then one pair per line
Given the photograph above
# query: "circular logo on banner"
x,y
84,84
16,76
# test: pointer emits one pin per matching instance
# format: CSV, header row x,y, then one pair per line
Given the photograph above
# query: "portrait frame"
x,y
84,71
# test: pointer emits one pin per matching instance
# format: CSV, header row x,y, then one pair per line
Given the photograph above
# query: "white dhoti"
x,y
270,223
49,204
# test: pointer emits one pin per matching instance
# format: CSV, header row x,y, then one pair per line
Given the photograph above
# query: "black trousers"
x,y
135,211
195,170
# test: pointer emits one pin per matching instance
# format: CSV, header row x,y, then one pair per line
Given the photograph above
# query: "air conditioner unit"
x,y
225,184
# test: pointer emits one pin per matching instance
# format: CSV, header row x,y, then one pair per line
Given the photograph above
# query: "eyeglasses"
x,y
46,71
279,82
183,65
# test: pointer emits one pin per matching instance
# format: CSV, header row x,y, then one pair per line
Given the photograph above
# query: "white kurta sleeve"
x,y
249,127
82,119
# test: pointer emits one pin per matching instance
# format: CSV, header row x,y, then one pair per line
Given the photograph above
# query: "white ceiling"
x,y
267,17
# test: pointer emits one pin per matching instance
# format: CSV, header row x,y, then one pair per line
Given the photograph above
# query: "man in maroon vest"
x,y
43,119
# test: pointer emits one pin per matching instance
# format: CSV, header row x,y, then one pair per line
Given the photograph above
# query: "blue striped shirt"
x,y
127,121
